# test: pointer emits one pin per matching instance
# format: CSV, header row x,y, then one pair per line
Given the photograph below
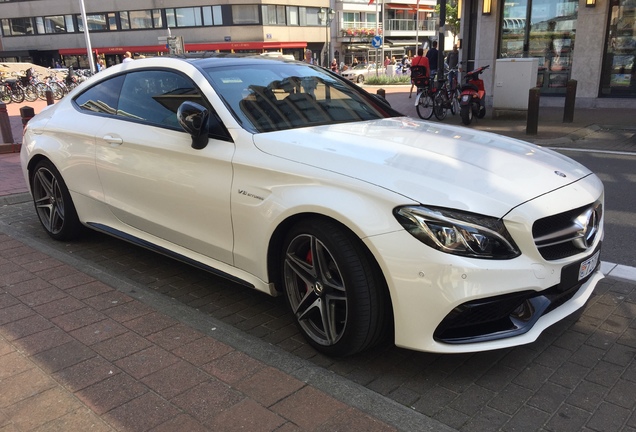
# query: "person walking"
x,y
432,56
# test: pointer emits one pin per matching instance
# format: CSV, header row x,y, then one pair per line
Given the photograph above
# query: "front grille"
x,y
564,235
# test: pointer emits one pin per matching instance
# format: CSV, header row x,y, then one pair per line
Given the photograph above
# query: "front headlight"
x,y
457,232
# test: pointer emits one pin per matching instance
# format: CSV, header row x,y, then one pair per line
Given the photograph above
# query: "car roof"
x,y
206,60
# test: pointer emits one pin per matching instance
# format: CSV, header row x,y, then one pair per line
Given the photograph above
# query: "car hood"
x,y
430,163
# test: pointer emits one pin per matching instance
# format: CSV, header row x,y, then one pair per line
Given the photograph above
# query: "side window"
x,y
102,97
155,96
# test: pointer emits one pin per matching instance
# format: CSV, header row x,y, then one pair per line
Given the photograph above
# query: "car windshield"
x,y
274,96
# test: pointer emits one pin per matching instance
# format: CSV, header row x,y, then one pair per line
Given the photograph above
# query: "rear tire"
x,y
438,105
53,203
17,95
424,105
333,288
466,113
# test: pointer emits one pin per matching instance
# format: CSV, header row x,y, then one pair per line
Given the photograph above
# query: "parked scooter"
x,y
472,101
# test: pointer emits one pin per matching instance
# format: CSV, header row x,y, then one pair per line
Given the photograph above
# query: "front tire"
x,y
466,113
53,203
334,290
360,79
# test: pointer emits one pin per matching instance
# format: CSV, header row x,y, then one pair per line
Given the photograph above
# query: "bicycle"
x,y
446,97
424,96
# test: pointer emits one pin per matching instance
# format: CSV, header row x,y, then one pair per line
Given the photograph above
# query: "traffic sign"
x,y
376,42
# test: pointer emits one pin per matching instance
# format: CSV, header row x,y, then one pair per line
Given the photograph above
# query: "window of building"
x,y
17,26
139,20
273,15
97,22
310,17
549,37
618,78
245,14
292,16
188,17
70,24
51,24
212,15
124,20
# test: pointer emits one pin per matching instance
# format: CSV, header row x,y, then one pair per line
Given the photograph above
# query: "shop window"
x,y
545,30
618,78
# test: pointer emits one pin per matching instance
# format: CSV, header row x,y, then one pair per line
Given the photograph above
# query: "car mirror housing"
x,y
193,118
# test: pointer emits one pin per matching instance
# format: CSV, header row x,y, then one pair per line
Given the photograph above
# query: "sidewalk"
x,y
78,354
80,349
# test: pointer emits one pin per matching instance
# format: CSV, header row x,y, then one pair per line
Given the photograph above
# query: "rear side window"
x,y
101,98
155,96
148,96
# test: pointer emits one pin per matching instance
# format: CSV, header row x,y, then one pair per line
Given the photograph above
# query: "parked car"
x,y
361,72
289,179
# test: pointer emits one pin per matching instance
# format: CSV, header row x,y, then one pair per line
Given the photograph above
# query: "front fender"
x,y
257,212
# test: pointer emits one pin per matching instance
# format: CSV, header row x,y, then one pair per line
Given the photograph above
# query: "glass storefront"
x,y
549,37
618,78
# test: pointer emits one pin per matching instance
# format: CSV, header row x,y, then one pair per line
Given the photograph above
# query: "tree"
x,y
452,22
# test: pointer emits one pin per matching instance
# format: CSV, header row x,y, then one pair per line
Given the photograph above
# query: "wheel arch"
x,y
36,159
278,236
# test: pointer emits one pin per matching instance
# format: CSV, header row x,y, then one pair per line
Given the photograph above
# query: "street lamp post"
x,y
326,16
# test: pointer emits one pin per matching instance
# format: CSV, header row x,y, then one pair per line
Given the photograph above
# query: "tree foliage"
x,y
452,22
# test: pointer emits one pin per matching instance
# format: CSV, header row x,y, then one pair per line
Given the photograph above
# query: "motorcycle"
x,y
473,96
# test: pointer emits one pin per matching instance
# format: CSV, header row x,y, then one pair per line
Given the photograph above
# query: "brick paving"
x,y
100,335
78,354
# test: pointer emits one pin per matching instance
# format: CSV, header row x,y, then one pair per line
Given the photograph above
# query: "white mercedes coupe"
x,y
287,178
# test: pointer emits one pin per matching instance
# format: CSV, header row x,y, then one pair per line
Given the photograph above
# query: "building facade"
x,y
51,32
592,42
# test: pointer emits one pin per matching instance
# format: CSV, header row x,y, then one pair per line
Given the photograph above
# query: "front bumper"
x,y
450,304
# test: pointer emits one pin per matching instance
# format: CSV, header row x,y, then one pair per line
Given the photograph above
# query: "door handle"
x,y
113,140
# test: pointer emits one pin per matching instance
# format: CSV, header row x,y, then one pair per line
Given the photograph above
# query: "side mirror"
x,y
193,118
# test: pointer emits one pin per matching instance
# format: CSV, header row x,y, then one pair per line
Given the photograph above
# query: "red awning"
x,y
221,46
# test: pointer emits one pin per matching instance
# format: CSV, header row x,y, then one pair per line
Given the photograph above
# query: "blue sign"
x,y
376,42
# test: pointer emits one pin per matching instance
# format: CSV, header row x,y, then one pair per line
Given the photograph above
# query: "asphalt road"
x,y
616,170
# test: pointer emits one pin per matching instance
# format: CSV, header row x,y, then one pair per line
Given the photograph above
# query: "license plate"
x,y
588,266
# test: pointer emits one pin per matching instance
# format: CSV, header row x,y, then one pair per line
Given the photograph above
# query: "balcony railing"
x,y
365,29
410,25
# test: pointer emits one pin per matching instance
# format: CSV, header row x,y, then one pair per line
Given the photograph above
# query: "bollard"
x,y
26,113
5,124
49,97
570,99
534,97
382,93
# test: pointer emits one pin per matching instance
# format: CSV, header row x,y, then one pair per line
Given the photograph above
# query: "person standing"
x,y
453,62
127,57
432,56
308,57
